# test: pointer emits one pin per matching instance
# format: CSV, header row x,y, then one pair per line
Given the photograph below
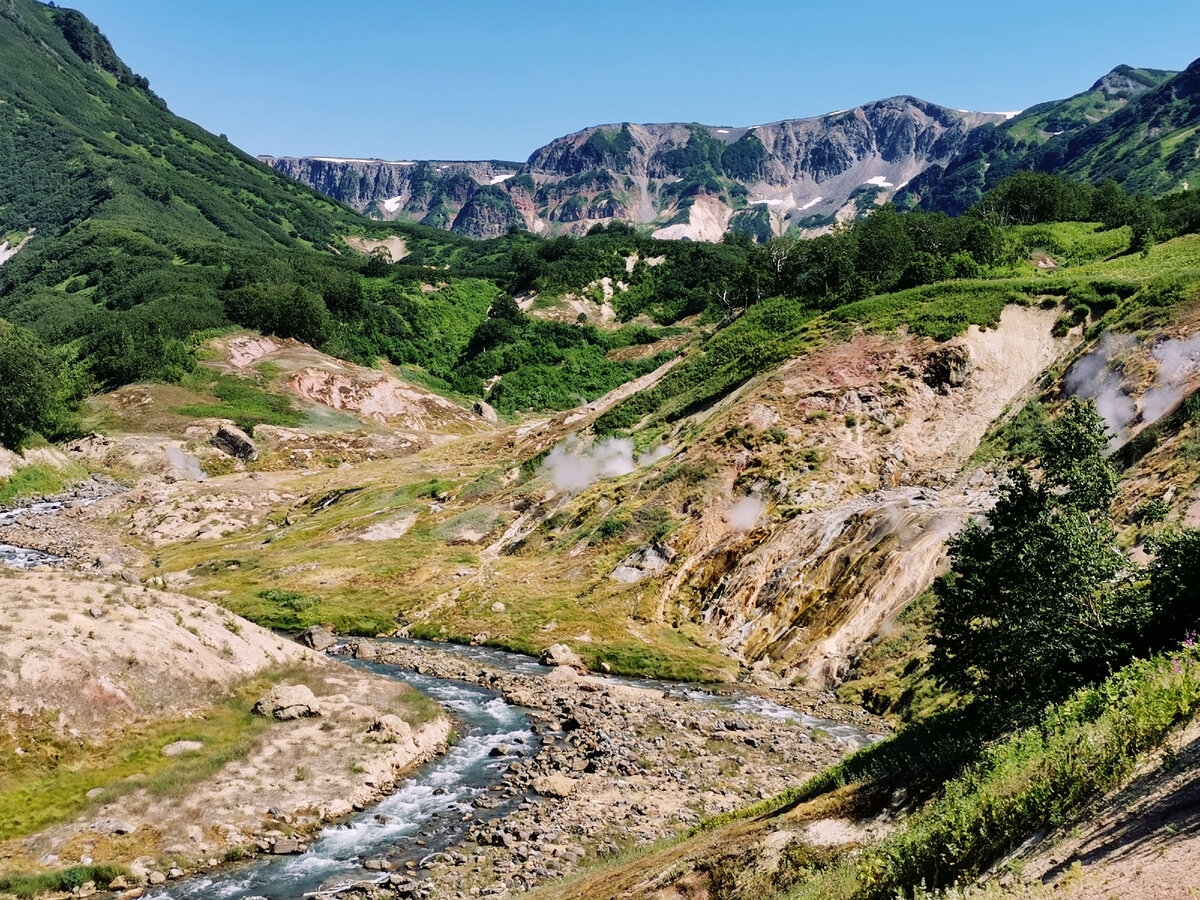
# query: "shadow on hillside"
x,y
1155,810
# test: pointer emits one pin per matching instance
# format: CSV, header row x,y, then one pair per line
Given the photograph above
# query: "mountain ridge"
x,y
696,181
652,174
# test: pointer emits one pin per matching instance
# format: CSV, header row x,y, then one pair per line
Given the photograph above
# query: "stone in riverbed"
x,y
554,785
318,638
562,675
562,655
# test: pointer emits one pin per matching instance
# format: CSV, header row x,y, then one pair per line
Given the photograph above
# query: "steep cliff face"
x,y
796,172
804,595
426,191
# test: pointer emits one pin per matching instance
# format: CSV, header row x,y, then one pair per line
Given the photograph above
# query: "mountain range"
x,y
1137,126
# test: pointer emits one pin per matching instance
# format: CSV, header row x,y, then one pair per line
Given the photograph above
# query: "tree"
x,y
1027,609
30,385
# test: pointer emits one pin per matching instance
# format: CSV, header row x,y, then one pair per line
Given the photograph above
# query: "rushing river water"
x,y
432,806
436,805
23,557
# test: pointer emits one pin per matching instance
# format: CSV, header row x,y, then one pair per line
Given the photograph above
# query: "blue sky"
x,y
460,79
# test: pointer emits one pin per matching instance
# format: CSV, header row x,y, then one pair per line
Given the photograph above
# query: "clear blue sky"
x,y
462,79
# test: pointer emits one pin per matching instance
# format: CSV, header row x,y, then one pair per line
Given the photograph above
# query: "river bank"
x,y
128,737
621,766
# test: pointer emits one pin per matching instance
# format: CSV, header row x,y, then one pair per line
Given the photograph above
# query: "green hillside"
x,y
1135,126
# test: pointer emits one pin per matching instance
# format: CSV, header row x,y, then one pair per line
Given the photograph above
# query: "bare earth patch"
x,y
1143,843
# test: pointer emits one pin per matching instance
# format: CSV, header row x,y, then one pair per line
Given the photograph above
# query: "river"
x,y
434,806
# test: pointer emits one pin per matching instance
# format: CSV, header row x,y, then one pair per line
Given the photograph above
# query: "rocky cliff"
x,y
690,180
431,192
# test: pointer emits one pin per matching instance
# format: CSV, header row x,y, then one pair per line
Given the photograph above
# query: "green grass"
x,y
50,782
240,400
28,886
1040,777
939,311
38,480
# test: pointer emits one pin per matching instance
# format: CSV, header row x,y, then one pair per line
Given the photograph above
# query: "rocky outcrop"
x,y
288,701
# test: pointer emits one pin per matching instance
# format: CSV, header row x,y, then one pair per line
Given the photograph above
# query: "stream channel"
x,y
435,805
23,557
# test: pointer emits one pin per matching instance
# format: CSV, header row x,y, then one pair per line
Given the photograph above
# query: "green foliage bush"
x,y
243,402
33,384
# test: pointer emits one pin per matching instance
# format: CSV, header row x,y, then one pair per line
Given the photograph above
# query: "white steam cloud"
x,y
1178,362
573,466
1094,377
188,466
745,513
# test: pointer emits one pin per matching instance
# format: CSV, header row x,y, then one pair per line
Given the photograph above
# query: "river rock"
x,y
288,701
157,878
232,440
366,650
318,638
285,846
562,655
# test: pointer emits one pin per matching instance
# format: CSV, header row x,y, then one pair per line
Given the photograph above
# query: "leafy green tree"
x,y
31,382
1172,610
1026,610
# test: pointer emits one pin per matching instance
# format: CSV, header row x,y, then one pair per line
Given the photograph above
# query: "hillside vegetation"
x,y
940,466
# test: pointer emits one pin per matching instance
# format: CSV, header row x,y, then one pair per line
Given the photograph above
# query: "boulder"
x,y
233,441
485,411
366,650
318,638
554,785
562,655
284,846
391,729
288,701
